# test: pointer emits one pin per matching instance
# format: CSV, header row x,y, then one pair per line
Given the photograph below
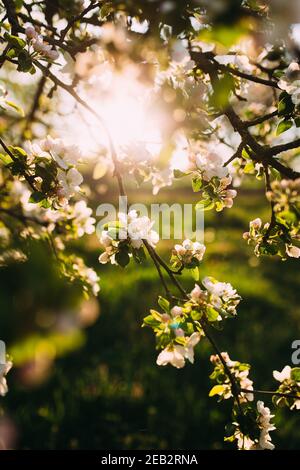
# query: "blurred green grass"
x,y
104,389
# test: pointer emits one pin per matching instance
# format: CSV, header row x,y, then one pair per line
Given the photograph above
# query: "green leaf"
x,y
195,315
212,314
285,105
197,183
45,203
36,197
179,173
216,390
284,126
164,304
205,205
295,374
222,91
6,159
122,258
249,168
24,62
139,255
180,340
156,315
227,36
18,152
150,321
15,41
195,273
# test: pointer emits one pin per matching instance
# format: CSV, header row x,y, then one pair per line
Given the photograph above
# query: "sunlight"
x,y
124,104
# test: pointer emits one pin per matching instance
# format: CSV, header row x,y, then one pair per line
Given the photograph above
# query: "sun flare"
x,y
127,112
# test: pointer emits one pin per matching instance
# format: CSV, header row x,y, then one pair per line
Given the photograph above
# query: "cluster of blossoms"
x,y
125,238
220,299
60,159
136,159
271,241
210,165
77,271
81,220
211,178
38,44
254,432
175,334
188,255
285,195
4,369
179,329
71,220
289,384
290,82
240,373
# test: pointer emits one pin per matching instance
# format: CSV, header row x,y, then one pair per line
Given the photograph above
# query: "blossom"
x,y
240,373
39,45
81,217
88,276
69,182
197,294
289,385
161,179
264,422
181,56
256,223
189,250
30,32
4,369
223,295
175,311
293,251
172,355
176,355
244,442
136,151
65,155
290,82
139,229
285,374
211,165
110,246
93,279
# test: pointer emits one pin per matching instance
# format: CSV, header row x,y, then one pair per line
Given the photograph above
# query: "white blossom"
x,y
39,45
81,216
290,82
285,374
69,182
65,155
4,369
176,355
211,165
161,179
139,229
172,355
264,422
293,251
189,250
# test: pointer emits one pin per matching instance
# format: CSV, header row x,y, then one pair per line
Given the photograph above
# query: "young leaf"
x,y
216,390
164,304
284,126
196,184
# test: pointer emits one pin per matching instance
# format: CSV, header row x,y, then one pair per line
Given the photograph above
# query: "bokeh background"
x,y
85,375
